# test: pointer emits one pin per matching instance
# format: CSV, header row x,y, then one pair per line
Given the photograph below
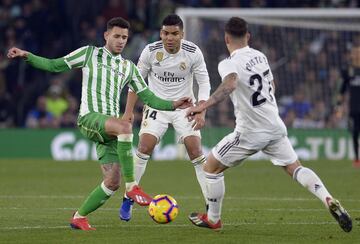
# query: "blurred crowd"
x,y
35,99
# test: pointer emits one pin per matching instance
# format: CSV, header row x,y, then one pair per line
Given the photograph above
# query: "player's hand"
x,y
182,103
15,52
192,111
128,116
199,121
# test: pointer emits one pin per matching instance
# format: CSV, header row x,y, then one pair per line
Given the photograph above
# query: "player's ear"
x,y
227,40
106,35
247,36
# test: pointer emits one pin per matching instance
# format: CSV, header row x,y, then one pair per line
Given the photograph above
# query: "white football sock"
x,y
216,191
140,162
200,174
307,178
130,185
78,216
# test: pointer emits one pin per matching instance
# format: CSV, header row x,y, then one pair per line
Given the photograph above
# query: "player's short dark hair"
x,y
119,22
173,19
236,27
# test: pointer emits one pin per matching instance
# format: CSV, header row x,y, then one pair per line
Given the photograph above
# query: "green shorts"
x,y
92,126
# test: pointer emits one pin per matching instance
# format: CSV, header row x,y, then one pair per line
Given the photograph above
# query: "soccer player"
x,y
170,66
248,80
351,83
105,73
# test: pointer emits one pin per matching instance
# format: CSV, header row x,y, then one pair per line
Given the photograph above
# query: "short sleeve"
x,y
226,67
136,83
77,58
144,62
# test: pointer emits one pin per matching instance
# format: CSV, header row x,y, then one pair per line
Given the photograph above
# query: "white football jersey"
x,y
254,101
170,76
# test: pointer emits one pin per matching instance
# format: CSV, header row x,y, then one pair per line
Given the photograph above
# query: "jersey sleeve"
x,y
202,76
136,81
270,75
226,67
51,65
78,58
144,62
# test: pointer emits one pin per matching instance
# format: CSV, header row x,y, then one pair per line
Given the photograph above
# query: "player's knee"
x,y
124,127
213,166
112,183
194,152
145,148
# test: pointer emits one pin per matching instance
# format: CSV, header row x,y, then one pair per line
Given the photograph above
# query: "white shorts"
x,y
236,147
156,122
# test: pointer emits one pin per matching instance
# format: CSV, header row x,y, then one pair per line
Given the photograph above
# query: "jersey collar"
x,y
240,50
112,55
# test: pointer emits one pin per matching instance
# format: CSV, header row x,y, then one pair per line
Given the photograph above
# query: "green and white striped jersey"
x,y
103,77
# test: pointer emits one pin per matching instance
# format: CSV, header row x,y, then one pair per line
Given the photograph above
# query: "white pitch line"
x,y
166,226
177,197
225,210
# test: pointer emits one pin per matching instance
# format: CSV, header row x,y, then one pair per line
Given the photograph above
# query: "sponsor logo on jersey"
x,y
117,72
168,77
182,66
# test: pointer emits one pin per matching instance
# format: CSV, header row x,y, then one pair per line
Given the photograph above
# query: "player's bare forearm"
x,y
129,108
130,101
199,118
222,92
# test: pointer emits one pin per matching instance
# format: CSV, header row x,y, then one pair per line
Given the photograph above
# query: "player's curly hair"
x,y
236,27
173,19
119,22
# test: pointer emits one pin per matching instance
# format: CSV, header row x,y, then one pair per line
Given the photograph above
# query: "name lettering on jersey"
x,y
254,61
99,65
169,77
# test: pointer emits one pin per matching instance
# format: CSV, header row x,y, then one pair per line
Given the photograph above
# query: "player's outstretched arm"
x,y
223,91
150,99
51,65
182,103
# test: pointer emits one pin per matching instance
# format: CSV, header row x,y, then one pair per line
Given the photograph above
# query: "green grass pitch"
x,y
262,204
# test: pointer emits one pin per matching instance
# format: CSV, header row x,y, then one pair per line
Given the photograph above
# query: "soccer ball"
x,y
163,209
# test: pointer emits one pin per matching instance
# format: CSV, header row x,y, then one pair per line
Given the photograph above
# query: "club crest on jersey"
x,y
182,66
159,56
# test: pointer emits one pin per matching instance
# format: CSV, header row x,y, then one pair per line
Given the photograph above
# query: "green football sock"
x,y
96,199
124,148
